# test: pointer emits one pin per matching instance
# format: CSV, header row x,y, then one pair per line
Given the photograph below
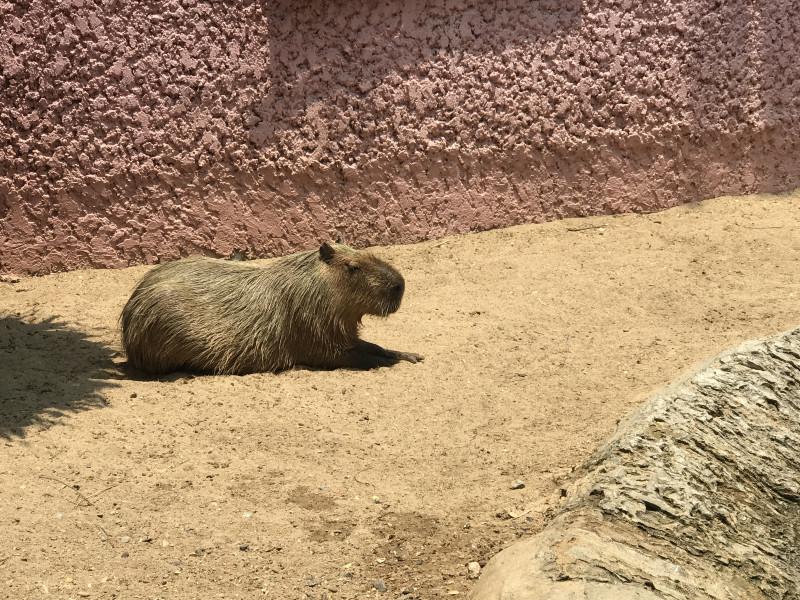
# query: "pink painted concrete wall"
x,y
139,131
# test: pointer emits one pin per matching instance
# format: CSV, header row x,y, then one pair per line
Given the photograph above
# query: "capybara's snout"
x,y
397,290
394,296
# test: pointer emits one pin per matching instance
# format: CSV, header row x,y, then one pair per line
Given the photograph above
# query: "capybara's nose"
x,y
398,289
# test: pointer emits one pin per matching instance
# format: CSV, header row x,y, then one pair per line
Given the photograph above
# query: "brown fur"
x,y
210,315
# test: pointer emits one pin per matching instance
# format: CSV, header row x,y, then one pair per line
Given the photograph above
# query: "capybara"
x,y
216,316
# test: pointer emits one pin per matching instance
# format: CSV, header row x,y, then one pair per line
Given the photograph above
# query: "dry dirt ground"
x,y
327,484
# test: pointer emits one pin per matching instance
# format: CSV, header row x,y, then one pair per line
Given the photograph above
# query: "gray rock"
x,y
697,496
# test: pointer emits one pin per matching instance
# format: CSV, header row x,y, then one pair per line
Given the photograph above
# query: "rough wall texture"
x,y
139,131
696,498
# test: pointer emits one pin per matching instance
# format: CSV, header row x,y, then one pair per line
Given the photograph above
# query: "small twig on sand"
x,y
358,480
585,228
104,490
105,533
86,501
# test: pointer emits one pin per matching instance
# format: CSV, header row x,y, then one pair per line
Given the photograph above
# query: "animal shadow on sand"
x,y
124,370
48,370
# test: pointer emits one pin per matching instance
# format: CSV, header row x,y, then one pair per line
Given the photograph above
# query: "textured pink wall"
x,y
139,131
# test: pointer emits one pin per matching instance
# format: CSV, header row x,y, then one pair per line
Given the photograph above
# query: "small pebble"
x,y
312,581
518,485
125,555
134,395
473,570
379,585
125,539
244,547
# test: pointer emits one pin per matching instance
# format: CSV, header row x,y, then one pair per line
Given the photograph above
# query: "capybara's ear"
x,y
326,252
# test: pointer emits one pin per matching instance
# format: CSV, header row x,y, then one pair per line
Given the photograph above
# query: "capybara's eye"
x,y
351,268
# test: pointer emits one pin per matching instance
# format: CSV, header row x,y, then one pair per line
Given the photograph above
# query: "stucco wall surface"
x,y
140,131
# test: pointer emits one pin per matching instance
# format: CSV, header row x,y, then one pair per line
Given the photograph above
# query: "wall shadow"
x,y
47,371
328,56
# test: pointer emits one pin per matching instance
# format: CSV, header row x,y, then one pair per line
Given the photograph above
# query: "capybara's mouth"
x,y
396,297
396,293
390,305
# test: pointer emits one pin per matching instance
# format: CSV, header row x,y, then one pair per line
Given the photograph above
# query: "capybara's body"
x,y
216,316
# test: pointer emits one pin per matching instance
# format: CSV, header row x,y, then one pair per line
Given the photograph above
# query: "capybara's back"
x,y
211,315
196,314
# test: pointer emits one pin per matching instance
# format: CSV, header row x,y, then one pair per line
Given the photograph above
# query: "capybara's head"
x,y
368,284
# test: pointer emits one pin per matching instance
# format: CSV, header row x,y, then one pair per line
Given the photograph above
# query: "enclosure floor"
x,y
311,484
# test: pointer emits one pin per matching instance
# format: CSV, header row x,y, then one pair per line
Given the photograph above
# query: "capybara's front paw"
x,y
410,357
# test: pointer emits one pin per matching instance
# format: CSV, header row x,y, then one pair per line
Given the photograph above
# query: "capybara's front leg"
x,y
358,358
376,350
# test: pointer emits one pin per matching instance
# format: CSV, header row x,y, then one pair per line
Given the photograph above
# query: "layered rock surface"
x,y
696,497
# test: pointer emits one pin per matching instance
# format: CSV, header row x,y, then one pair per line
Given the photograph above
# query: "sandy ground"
x,y
319,484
